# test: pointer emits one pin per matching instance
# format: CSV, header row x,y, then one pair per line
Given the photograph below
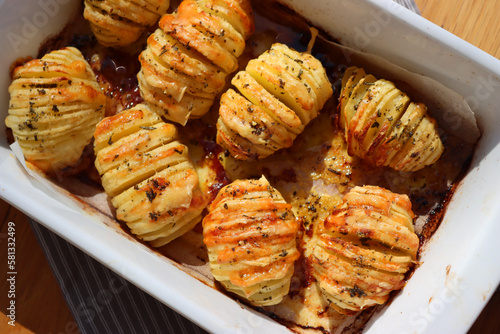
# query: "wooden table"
x,y
40,305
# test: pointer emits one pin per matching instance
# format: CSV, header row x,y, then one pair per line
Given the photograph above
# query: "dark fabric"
x,y
100,300
410,4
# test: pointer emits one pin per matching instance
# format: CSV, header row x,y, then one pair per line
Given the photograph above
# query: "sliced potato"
x,y
351,78
358,93
361,252
148,175
279,93
259,96
250,234
118,23
380,124
188,58
55,104
365,121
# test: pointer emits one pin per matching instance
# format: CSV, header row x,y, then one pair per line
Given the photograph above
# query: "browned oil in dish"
x,y
312,175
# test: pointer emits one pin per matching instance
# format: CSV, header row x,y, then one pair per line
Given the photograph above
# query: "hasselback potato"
x,y
383,126
148,175
121,22
362,251
276,96
250,235
187,59
55,104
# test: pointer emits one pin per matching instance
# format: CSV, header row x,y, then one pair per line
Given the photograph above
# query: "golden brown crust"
x,y
187,59
383,127
361,252
279,93
250,234
55,104
121,22
148,175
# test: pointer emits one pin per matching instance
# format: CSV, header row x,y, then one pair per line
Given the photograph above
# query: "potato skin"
x,y
250,234
361,252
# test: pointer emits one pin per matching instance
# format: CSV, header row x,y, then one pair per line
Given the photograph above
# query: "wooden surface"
x,y
476,21
40,306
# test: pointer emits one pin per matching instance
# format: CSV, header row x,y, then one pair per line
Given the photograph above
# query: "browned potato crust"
x,y
279,93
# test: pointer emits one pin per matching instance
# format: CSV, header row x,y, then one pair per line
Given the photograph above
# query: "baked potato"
x,y
383,126
118,23
55,105
250,235
148,175
361,252
276,96
186,61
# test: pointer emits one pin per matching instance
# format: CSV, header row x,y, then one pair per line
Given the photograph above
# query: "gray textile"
x,y
103,302
410,4
100,300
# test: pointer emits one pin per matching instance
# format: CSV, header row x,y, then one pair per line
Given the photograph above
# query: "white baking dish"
x,y
460,268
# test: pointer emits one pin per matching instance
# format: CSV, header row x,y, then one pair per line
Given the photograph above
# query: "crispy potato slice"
x,y
285,64
351,78
284,87
238,13
187,59
402,132
259,96
186,62
253,123
310,67
168,106
433,151
238,146
411,153
183,26
364,125
358,93
391,108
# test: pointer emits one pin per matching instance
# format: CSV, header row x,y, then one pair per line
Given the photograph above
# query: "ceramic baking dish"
x,y
459,270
